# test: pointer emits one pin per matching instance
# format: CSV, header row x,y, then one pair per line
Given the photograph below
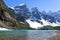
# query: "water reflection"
x,y
26,34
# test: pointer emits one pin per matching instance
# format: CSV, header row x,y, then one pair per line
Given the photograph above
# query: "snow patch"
x,y
12,7
22,4
4,29
39,25
46,22
34,24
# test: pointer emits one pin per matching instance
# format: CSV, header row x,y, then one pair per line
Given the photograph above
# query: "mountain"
x,y
35,18
8,20
22,10
56,15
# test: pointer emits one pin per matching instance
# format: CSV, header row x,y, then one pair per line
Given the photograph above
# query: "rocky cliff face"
x,y
7,19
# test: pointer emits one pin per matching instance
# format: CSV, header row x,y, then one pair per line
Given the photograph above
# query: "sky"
x,y
46,5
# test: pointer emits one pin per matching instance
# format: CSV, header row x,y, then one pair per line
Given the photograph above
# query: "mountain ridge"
x,y
35,15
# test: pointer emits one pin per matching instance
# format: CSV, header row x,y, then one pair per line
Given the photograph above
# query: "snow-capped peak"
x,y
22,4
12,7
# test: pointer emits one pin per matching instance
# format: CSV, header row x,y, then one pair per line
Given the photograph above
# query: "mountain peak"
x,y
12,7
22,4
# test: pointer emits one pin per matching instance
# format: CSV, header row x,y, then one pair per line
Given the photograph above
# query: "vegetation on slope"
x,y
50,28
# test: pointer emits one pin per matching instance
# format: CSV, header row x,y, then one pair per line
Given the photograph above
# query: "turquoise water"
x,y
29,34
14,32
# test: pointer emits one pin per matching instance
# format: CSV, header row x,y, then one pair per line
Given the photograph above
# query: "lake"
x,y
27,34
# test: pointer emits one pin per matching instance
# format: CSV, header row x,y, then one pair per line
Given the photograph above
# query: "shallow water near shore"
x,y
27,34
